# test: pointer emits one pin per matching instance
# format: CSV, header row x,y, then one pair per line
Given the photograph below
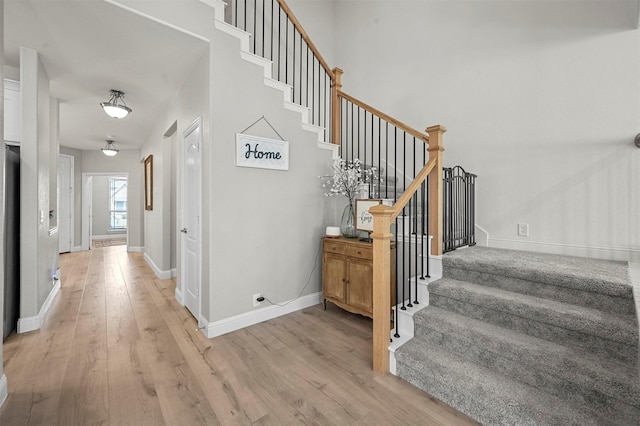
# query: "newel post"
x,y
435,187
381,282
336,86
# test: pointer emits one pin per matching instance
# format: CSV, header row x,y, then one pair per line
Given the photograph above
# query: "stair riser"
x,y
623,329
445,391
590,343
603,302
553,275
528,371
457,390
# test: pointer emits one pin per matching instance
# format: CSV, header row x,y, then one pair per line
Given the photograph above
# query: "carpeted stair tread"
x,y
613,327
489,397
593,275
555,368
575,296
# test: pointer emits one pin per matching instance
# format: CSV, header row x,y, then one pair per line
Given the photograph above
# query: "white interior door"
x,y
191,234
65,202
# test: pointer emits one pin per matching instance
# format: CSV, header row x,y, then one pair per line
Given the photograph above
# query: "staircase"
x,y
521,338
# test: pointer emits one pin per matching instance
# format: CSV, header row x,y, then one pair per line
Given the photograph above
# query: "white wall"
x,y
157,232
54,137
11,73
540,99
265,225
173,201
77,196
3,379
37,146
317,17
195,17
126,162
261,228
191,101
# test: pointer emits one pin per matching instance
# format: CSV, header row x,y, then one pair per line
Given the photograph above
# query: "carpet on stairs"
x,y
513,337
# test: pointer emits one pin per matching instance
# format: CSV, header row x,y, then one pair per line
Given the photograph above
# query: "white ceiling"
x,y
88,47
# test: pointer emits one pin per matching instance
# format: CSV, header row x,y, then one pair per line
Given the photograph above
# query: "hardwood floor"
x,y
117,349
96,244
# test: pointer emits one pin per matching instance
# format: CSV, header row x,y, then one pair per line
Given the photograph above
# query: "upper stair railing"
x,y
410,172
277,35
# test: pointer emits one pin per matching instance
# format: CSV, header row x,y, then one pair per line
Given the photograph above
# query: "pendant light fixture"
x,y
110,149
116,107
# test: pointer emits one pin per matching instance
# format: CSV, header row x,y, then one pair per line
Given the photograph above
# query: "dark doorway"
x,y
11,240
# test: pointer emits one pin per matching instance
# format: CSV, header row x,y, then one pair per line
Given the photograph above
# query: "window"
x,y
118,204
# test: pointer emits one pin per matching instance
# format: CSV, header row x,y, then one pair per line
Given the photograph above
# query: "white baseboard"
x,y
108,237
610,253
135,249
174,272
238,322
28,324
76,248
482,236
179,296
163,275
4,389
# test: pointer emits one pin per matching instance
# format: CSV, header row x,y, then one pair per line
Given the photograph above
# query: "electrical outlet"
x,y
255,299
523,230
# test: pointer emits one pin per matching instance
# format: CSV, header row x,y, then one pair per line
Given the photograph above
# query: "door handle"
x,y
183,230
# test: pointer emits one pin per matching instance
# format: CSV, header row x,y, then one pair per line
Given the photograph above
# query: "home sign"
x,y
261,153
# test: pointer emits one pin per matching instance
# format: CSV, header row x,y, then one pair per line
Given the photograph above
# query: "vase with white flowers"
x,y
347,179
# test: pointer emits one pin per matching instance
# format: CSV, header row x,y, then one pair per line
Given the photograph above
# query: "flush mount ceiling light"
x,y
116,109
110,149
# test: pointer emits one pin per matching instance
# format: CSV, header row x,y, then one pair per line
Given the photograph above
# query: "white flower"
x,y
347,177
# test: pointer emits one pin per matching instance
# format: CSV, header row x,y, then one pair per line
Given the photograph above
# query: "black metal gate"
x,y
459,205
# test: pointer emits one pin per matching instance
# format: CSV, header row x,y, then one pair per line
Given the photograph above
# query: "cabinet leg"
x,y
324,304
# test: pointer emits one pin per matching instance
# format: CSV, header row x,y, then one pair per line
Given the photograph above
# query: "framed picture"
x,y
364,219
148,183
261,153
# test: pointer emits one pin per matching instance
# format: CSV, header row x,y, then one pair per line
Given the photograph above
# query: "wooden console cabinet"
x,y
347,274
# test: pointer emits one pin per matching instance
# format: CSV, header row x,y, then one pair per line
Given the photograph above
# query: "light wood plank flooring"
x,y
117,349
95,244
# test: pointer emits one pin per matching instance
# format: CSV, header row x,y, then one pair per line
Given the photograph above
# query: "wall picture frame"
x,y
364,219
261,153
148,183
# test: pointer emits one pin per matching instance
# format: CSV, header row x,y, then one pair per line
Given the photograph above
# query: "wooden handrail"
x,y
408,193
385,117
382,217
306,37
